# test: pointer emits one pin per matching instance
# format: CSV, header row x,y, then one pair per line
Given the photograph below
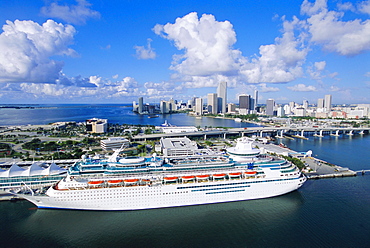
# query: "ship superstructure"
x,y
134,183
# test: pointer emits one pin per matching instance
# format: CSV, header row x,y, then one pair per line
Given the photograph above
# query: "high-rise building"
x,y
320,103
287,110
198,106
255,98
164,107
189,104
270,106
212,103
305,104
172,105
245,102
280,111
327,103
222,94
141,104
96,125
300,111
231,108
134,106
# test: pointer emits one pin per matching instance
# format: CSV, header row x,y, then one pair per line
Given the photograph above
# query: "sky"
x,y
116,51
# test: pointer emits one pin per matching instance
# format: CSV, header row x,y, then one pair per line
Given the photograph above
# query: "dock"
x,y
317,168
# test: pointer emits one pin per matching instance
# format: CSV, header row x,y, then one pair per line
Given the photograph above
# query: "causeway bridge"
x,y
297,132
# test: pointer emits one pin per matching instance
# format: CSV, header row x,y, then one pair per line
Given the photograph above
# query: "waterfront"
x,y
323,213
121,114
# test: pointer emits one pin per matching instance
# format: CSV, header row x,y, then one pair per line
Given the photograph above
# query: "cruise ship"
x,y
135,183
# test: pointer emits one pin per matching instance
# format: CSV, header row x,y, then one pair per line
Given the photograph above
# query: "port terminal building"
x,y
180,147
114,143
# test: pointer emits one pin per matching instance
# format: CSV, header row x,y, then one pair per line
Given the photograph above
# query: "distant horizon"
x,y
155,103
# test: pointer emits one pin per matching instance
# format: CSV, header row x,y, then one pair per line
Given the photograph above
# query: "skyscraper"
x,y
212,103
270,105
245,102
198,106
305,104
164,107
222,94
320,103
327,103
141,103
255,98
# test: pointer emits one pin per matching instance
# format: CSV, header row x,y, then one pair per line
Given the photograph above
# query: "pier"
x,y
362,172
317,168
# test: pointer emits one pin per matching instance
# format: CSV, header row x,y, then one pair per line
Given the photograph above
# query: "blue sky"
x,y
116,51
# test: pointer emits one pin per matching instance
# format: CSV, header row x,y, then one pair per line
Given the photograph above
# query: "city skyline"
x,y
115,52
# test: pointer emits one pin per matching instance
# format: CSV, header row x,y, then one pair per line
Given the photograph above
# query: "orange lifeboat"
x,y
115,181
131,180
202,176
222,175
95,182
170,178
235,174
250,173
188,177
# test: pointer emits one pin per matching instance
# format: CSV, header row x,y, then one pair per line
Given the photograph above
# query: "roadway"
x,y
249,130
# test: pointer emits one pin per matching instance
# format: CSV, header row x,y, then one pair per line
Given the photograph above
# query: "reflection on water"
x,y
205,224
344,150
121,114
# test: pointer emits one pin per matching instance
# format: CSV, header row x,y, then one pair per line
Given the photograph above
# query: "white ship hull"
x,y
166,195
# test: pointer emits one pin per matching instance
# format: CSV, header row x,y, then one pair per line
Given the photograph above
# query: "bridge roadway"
x,y
254,130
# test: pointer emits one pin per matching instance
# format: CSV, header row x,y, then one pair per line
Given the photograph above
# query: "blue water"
x,y
121,114
323,213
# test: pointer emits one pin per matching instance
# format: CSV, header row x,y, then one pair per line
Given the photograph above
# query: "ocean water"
x,y
120,114
322,213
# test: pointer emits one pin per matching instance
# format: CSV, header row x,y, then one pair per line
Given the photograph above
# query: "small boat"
x,y
114,181
95,182
153,116
131,180
170,178
187,177
202,176
250,173
219,175
235,174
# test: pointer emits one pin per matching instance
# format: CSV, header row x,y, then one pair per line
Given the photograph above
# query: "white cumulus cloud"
x,y
209,53
364,7
206,43
264,88
26,48
145,52
280,62
327,29
302,87
75,14
79,89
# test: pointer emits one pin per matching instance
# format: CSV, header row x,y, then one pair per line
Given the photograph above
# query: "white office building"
x,y
178,147
114,143
96,125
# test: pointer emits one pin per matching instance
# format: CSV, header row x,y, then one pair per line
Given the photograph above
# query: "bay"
x,y
323,213
115,113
